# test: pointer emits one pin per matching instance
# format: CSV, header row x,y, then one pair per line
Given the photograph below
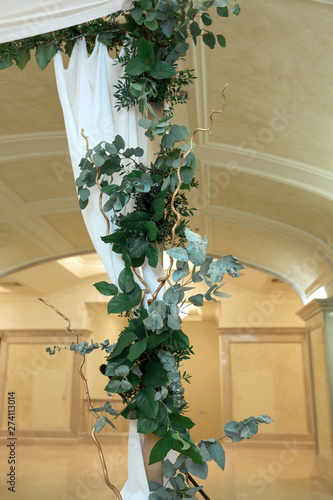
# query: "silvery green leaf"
x,y
173,323
181,271
164,392
217,453
136,370
159,307
158,396
122,370
174,311
179,462
196,247
178,253
205,266
165,184
197,300
99,424
168,469
263,419
179,482
197,277
221,294
113,385
153,486
197,470
204,452
153,321
173,295
192,491
126,385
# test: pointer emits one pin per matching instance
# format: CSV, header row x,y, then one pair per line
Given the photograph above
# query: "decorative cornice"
x,y
316,306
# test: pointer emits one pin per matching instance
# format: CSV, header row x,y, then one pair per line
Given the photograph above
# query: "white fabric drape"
x,y
25,18
86,95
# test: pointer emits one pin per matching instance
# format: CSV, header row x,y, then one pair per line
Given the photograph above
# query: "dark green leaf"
x,y
152,256
197,300
182,420
125,280
146,402
135,221
206,19
23,58
151,227
222,11
161,448
137,349
179,341
138,247
161,70
158,207
106,288
168,27
136,66
44,54
135,295
221,40
118,304
209,40
119,142
155,375
125,339
151,24
146,51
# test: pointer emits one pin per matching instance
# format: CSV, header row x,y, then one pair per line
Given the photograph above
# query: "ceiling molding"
x,y
267,166
33,145
307,240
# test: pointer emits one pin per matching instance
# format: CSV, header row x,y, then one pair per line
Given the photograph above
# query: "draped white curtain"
x,y
25,18
86,95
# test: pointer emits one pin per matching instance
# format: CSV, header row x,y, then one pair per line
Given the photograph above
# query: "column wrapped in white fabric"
x,y
86,95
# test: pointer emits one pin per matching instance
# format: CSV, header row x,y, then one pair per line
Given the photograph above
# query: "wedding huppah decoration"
x,y
118,95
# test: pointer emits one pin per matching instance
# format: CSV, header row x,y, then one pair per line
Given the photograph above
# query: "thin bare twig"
x,y
86,388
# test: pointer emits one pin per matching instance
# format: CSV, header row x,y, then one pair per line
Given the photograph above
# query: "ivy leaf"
x,y
161,70
125,280
106,288
161,448
137,349
221,40
44,54
146,403
119,303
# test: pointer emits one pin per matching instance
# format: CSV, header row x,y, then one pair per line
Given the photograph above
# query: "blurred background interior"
x,y
265,196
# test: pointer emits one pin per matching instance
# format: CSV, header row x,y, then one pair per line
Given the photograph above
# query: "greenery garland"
x,y
144,365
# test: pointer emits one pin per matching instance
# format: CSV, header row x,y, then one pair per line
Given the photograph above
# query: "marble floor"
x,y
62,472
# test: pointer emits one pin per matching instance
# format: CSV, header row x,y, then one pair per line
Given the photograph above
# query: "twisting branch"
x,y
86,388
163,279
145,290
97,184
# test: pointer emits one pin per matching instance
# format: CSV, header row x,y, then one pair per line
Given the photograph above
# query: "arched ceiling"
x,y
266,172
